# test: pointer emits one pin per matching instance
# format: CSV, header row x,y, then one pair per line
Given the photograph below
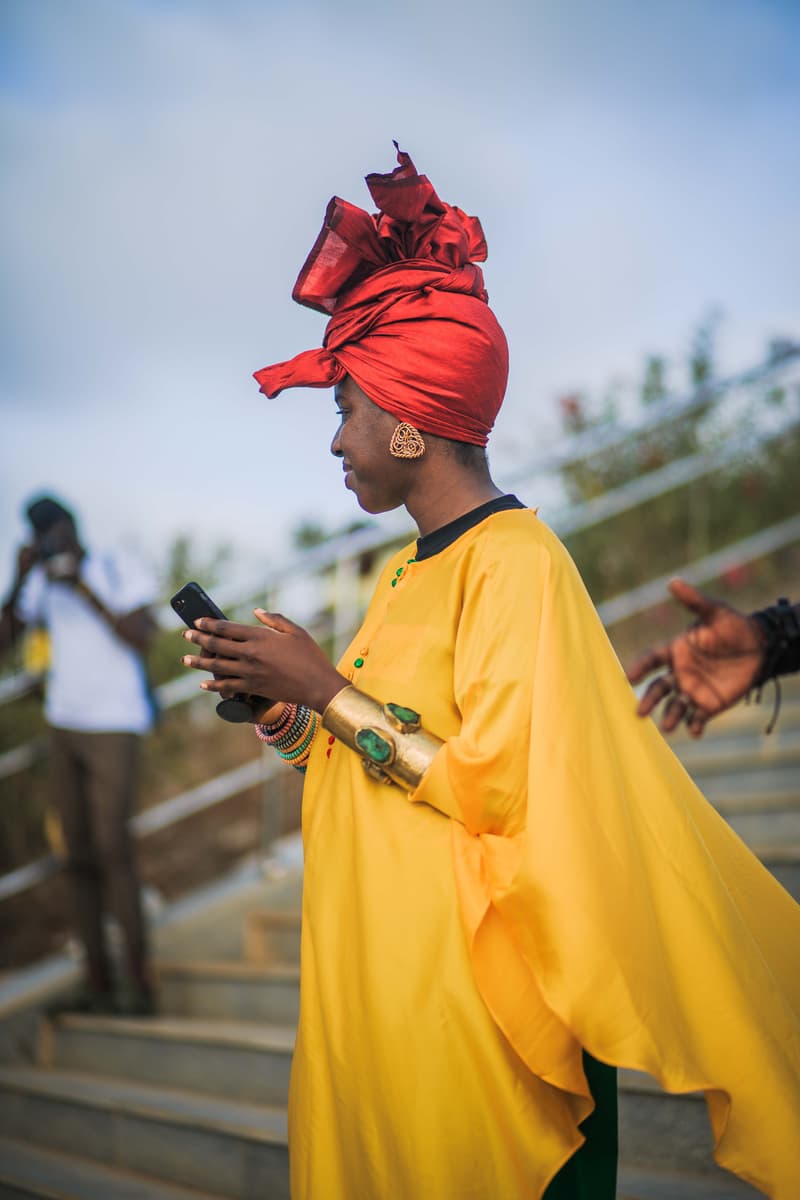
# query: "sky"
x,y
165,166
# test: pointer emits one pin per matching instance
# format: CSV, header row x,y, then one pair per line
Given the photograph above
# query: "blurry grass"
x,y
681,526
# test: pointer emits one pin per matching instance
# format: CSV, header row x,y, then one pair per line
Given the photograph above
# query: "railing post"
x,y
345,603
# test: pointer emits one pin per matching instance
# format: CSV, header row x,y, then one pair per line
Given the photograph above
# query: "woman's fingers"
x,y
218,666
212,643
225,687
229,630
654,694
276,621
273,658
697,722
674,711
650,660
698,603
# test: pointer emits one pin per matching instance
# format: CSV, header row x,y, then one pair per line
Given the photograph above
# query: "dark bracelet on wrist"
x,y
780,629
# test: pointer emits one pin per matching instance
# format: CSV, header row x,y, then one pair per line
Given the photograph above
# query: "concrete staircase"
x,y
191,1104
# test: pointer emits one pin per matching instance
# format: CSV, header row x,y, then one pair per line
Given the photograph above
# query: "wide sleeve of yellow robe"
x,y
613,909
555,883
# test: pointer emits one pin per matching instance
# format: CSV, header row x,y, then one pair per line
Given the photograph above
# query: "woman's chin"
x,y
376,504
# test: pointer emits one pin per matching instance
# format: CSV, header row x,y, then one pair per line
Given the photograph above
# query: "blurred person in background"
x,y
723,656
95,608
511,886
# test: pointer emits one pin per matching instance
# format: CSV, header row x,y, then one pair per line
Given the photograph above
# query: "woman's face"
x,y
380,482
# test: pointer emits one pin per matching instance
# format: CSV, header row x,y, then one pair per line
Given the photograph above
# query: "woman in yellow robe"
x,y
551,899
404,1082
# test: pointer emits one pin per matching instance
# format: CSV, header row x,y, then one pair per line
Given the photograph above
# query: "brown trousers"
x,y
94,782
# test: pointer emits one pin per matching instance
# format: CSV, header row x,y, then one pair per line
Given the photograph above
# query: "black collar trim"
x,y
440,539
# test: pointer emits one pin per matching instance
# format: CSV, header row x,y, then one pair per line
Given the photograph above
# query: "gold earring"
x,y
407,442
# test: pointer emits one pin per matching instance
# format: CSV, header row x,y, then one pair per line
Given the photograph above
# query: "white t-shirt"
x,y
96,682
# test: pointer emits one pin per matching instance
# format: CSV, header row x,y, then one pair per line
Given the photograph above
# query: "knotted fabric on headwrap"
x,y
409,317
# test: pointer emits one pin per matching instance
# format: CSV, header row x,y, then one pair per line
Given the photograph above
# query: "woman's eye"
x,y
341,412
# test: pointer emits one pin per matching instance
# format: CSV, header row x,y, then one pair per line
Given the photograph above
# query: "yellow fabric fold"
x,y
556,883
651,935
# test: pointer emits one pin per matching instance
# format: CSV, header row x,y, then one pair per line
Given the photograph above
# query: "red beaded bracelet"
x,y
273,732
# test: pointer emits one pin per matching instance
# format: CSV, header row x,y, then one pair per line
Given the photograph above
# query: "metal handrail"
x,y
647,595
260,769
570,520
160,816
672,475
14,687
572,449
395,526
578,447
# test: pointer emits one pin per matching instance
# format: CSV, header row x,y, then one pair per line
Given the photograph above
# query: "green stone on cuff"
x,y
405,719
377,748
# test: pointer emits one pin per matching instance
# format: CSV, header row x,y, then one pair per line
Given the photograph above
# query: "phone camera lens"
x,y
180,603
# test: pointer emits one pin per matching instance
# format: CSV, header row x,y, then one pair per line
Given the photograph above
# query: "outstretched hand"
x,y
710,666
275,658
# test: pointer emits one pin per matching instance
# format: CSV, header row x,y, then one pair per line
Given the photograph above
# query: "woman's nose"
x,y
336,444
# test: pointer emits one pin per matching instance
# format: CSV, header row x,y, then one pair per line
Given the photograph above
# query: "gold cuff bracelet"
x,y
393,746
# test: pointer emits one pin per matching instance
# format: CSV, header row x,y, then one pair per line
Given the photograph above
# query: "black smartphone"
x,y
190,603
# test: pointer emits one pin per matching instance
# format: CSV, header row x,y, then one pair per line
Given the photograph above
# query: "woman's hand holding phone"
x,y
191,603
274,658
250,663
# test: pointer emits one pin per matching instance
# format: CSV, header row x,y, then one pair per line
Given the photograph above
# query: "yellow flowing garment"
x,y
557,882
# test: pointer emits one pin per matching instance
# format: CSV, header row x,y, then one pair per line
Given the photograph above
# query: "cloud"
x,y
166,167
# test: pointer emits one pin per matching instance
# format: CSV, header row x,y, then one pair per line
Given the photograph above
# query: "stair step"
x,y
747,749
731,801
773,836
640,1183
210,924
776,787
746,718
660,1130
234,1059
236,1150
242,991
666,1144
31,1172
786,873
272,936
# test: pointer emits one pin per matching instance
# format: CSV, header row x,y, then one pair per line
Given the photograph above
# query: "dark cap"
x,y
45,512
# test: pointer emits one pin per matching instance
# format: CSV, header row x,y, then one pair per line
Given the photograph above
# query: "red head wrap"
x,y
409,318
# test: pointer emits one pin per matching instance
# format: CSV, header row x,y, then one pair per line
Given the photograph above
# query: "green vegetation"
x,y
659,536
685,524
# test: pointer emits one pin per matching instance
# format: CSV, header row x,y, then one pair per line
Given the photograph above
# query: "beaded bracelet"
x,y
302,750
780,630
292,734
271,733
779,626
